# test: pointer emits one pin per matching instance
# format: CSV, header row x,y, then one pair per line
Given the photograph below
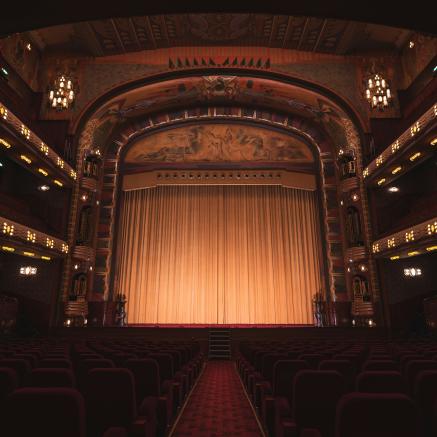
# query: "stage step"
x,y
219,344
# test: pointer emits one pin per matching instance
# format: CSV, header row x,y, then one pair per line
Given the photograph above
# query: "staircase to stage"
x,y
219,344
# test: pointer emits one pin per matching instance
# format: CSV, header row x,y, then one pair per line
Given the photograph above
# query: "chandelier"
x,y
62,92
377,92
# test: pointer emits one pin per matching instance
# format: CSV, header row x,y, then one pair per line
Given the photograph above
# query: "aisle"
x,y
218,406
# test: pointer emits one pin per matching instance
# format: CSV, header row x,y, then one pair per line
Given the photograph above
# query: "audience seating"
x,y
8,382
376,414
381,382
315,396
110,402
392,372
48,412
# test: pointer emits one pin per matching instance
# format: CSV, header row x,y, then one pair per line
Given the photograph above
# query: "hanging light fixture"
x,y
62,92
377,91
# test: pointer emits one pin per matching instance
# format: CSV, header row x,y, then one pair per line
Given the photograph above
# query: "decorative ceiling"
x,y
18,17
124,35
219,142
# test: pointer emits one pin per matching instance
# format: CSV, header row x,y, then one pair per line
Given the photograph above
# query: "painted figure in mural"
x,y
219,142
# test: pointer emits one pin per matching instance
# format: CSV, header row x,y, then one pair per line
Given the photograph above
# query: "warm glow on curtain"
x,y
219,254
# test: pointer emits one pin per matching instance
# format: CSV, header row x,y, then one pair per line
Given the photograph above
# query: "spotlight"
x,y
76,266
393,189
43,188
411,44
370,322
84,197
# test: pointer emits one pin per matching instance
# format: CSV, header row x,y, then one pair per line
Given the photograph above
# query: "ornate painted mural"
x,y
218,142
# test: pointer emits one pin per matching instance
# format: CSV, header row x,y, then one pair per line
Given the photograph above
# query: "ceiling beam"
x,y
117,34
134,33
319,37
303,34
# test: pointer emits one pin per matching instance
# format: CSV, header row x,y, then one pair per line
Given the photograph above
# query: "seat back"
x,y
48,412
313,360
380,365
165,363
425,395
146,376
268,364
315,396
21,367
55,363
344,367
284,372
110,399
381,382
50,377
414,367
376,414
84,366
8,381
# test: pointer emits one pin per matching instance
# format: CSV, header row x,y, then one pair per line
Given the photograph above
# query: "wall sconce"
x,y
28,270
412,272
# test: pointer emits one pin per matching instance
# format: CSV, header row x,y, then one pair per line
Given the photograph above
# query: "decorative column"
x,y
357,252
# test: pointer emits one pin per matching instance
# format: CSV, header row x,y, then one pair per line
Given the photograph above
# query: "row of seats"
x,y
95,387
342,389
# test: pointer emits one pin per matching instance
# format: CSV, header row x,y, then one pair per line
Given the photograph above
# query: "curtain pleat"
x,y
219,255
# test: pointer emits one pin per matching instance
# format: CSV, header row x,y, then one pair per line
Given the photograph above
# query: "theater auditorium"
x,y
218,220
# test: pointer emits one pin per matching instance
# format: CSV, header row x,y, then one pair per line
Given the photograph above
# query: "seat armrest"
x,y
115,432
289,428
310,433
138,426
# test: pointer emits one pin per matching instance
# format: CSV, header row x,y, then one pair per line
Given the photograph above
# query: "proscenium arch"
x,y
287,79
84,124
307,140
121,140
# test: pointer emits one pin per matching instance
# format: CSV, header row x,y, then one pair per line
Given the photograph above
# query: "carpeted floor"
x,y
218,406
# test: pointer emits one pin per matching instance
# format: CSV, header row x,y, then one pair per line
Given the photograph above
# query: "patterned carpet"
x,y
218,406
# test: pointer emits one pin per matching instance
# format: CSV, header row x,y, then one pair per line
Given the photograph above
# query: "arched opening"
x,y
268,98
231,212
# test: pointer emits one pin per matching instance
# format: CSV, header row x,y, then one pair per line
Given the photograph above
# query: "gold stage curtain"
x,y
219,255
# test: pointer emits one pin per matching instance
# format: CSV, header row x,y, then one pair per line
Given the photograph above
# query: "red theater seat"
x,y
110,402
21,367
414,367
59,363
277,399
315,396
344,367
374,415
48,412
380,365
381,382
51,377
8,381
148,389
86,365
425,395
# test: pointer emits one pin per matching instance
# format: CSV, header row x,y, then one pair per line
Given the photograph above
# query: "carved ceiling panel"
x,y
124,35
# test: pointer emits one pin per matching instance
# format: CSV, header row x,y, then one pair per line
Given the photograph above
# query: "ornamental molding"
x,y
408,241
16,232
